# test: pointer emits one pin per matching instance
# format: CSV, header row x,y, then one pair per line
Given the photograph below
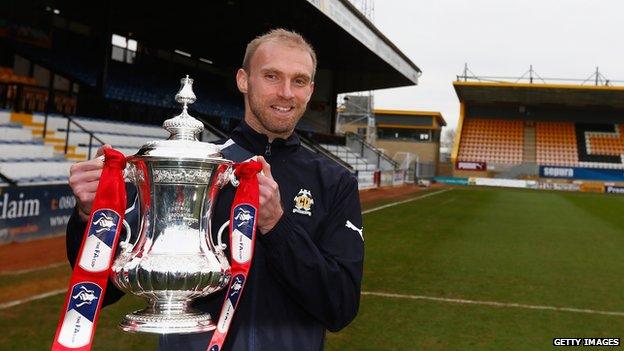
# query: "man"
x,y
307,267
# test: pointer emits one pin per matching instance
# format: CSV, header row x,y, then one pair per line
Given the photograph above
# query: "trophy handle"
x,y
231,177
130,174
125,245
220,245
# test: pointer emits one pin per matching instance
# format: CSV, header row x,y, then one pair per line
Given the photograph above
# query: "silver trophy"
x,y
174,259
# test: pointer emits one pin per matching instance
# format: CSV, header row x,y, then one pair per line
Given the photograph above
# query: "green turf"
x,y
9,280
32,326
514,246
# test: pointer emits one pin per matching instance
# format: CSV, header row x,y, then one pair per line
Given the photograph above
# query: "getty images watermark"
x,y
586,342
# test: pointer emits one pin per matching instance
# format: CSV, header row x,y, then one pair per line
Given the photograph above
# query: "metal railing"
x,y
67,131
316,148
7,179
212,129
371,153
531,76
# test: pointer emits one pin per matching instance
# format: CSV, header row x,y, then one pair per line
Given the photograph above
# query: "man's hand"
x,y
270,202
84,178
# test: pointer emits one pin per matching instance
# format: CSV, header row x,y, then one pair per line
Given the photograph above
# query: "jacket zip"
x,y
267,151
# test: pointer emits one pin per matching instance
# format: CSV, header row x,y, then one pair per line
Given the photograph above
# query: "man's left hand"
x,y
270,202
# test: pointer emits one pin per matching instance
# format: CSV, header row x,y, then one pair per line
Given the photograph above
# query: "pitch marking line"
x,y
405,201
31,298
29,270
494,303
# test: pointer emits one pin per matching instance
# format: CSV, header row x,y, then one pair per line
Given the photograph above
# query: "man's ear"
x,y
311,90
242,80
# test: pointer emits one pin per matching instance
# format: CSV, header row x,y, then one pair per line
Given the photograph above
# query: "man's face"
x,y
277,88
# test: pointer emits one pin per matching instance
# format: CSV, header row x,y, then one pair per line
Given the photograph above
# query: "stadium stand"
x,y
510,130
492,141
556,144
358,163
71,73
7,76
73,62
608,144
27,157
141,85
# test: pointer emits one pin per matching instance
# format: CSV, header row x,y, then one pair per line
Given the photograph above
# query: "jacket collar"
x,y
255,142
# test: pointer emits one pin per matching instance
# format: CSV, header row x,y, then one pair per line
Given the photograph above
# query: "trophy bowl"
x,y
173,259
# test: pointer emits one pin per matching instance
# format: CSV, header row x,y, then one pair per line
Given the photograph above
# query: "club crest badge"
x,y
303,202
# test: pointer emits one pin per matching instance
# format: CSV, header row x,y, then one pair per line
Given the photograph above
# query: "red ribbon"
x,y
87,285
243,221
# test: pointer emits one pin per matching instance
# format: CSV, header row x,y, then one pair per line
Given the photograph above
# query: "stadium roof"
x,y
434,114
358,55
566,95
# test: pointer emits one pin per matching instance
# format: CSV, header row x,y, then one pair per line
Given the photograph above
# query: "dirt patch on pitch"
x,y
34,253
374,196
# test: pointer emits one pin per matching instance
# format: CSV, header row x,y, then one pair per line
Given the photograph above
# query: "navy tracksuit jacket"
x,y
306,272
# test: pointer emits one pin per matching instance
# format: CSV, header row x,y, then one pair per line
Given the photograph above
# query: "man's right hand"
x,y
84,178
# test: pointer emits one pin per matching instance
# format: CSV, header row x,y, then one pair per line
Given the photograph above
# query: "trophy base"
x,y
145,321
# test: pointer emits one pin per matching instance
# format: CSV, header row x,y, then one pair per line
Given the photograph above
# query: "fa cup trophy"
x,y
173,259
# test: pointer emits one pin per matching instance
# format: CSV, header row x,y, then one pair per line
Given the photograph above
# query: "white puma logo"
x,y
352,226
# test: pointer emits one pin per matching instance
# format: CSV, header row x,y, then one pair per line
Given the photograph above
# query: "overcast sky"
x,y
560,38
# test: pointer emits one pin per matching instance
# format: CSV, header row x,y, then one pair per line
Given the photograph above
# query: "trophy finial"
x,y
184,126
185,95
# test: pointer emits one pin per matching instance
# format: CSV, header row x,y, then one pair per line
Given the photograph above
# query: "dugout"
x,y
522,130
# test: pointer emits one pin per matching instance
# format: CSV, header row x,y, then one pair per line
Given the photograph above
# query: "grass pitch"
x,y
514,246
511,246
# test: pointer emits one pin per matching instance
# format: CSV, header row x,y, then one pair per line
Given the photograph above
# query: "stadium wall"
x,y
427,152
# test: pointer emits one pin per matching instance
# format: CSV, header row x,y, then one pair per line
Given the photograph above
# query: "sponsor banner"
x,y
559,186
399,178
451,180
28,212
612,175
612,189
592,187
366,179
470,166
386,178
508,183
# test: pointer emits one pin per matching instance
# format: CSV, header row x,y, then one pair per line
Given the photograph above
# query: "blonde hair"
x,y
282,36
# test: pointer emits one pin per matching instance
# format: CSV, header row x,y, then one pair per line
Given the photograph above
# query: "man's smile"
x,y
282,109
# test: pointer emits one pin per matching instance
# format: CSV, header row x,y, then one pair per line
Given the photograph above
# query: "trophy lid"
x,y
183,130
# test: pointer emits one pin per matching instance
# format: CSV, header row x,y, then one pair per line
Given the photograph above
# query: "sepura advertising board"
x,y
612,175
